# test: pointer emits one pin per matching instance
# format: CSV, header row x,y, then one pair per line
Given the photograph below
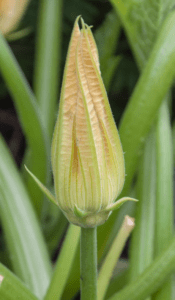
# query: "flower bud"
x,y
87,156
11,12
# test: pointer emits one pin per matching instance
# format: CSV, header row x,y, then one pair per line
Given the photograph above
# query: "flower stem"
x,y
113,255
88,258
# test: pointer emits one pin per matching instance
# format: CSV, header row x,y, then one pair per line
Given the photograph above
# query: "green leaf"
x,y
48,57
30,119
142,242
173,141
151,279
147,17
142,109
164,200
73,284
106,37
164,156
54,230
147,97
23,235
142,21
11,288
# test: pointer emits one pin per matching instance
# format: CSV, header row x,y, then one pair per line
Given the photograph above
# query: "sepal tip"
x,y
49,195
118,203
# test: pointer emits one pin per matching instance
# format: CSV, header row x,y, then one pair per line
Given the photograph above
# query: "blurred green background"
x,y
94,13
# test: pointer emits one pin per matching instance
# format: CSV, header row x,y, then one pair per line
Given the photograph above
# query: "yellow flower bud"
x,y
87,156
11,12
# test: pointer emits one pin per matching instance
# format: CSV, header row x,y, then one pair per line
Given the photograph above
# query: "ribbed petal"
x,y
63,139
87,156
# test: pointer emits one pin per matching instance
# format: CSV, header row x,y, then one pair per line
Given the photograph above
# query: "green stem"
x,y
64,263
142,242
48,60
118,282
113,255
164,199
88,258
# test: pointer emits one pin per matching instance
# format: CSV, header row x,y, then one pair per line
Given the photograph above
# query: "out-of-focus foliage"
x,y
94,13
146,18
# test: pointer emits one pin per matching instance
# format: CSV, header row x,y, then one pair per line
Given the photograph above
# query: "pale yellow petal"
x,y
103,125
62,141
87,156
11,12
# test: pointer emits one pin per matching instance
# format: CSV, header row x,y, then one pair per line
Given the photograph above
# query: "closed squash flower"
x,y
87,156
11,12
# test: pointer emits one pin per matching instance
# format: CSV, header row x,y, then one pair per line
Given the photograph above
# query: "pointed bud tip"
x,y
87,155
129,221
1,279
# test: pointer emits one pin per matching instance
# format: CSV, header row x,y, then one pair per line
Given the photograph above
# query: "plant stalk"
x,y
113,255
88,265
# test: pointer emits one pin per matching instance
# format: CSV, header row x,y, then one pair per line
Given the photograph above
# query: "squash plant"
x,y
146,135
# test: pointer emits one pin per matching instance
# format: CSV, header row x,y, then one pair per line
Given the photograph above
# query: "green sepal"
x,y
117,204
79,213
19,34
49,195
